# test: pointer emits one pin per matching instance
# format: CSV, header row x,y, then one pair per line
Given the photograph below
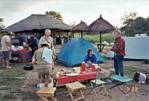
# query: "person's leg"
x,y
115,65
6,59
120,65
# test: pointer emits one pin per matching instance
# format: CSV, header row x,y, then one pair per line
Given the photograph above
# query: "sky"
x,y
73,11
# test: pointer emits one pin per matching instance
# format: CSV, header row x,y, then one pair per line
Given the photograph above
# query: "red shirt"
x,y
119,46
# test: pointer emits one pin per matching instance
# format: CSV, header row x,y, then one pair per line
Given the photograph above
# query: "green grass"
x,y
10,77
129,70
8,97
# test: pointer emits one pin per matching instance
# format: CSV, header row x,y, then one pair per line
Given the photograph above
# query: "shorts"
x,y
6,55
43,73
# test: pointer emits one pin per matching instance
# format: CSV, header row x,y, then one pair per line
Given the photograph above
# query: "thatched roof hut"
x,y
2,27
38,22
100,26
81,27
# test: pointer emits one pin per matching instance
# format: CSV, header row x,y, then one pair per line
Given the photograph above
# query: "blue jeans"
x,y
118,65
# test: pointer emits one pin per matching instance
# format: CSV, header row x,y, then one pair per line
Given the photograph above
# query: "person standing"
x,y
47,38
119,50
42,64
6,48
33,43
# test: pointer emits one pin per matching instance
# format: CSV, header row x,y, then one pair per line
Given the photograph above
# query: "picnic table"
x,y
62,80
84,76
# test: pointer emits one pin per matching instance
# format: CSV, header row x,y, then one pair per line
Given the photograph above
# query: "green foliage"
x,y
134,24
1,19
129,70
56,15
96,38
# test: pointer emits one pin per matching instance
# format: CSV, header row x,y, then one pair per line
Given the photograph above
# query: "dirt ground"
x,y
117,95
26,90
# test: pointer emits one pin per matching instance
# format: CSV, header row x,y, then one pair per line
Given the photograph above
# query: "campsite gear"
x,y
74,51
123,83
93,68
28,67
98,82
141,78
62,80
45,93
75,86
83,67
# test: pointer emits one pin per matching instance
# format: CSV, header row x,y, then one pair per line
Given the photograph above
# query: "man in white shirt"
x,y
47,38
6,47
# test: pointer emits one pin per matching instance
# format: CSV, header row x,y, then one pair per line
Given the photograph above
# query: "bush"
x,y
96,38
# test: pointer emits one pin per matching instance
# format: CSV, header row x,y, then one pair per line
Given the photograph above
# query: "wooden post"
x,y
81,34
100,49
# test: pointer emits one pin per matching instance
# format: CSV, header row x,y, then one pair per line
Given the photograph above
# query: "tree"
x,y
134,24
56,15
128,18
1,19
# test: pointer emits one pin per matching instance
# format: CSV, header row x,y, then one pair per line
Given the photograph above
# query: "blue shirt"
x,y
91,58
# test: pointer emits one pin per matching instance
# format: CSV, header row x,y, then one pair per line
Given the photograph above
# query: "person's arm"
x,y
52,46
34,58
40,41
8,41
94,59
119,46
86,59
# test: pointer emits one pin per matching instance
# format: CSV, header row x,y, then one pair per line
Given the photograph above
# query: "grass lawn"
x,y
11,82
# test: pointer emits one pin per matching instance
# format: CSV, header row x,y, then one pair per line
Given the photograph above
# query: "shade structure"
x,y
38,21
74,52
100,26
2,27
81,27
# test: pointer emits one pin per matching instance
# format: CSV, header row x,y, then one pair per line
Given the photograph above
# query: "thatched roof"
x,y
38,21
101,26
2,27
81,27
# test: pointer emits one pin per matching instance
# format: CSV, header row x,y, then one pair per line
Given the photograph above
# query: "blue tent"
x,y
74,52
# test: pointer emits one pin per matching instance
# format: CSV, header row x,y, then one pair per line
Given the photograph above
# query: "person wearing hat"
x,y
41,64
6,48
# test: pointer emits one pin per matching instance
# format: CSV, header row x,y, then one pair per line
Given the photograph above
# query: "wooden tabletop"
x,y
46,90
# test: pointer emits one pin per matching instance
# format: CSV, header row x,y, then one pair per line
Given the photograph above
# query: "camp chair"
x,y
75,86
98,83
45,93
122,82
